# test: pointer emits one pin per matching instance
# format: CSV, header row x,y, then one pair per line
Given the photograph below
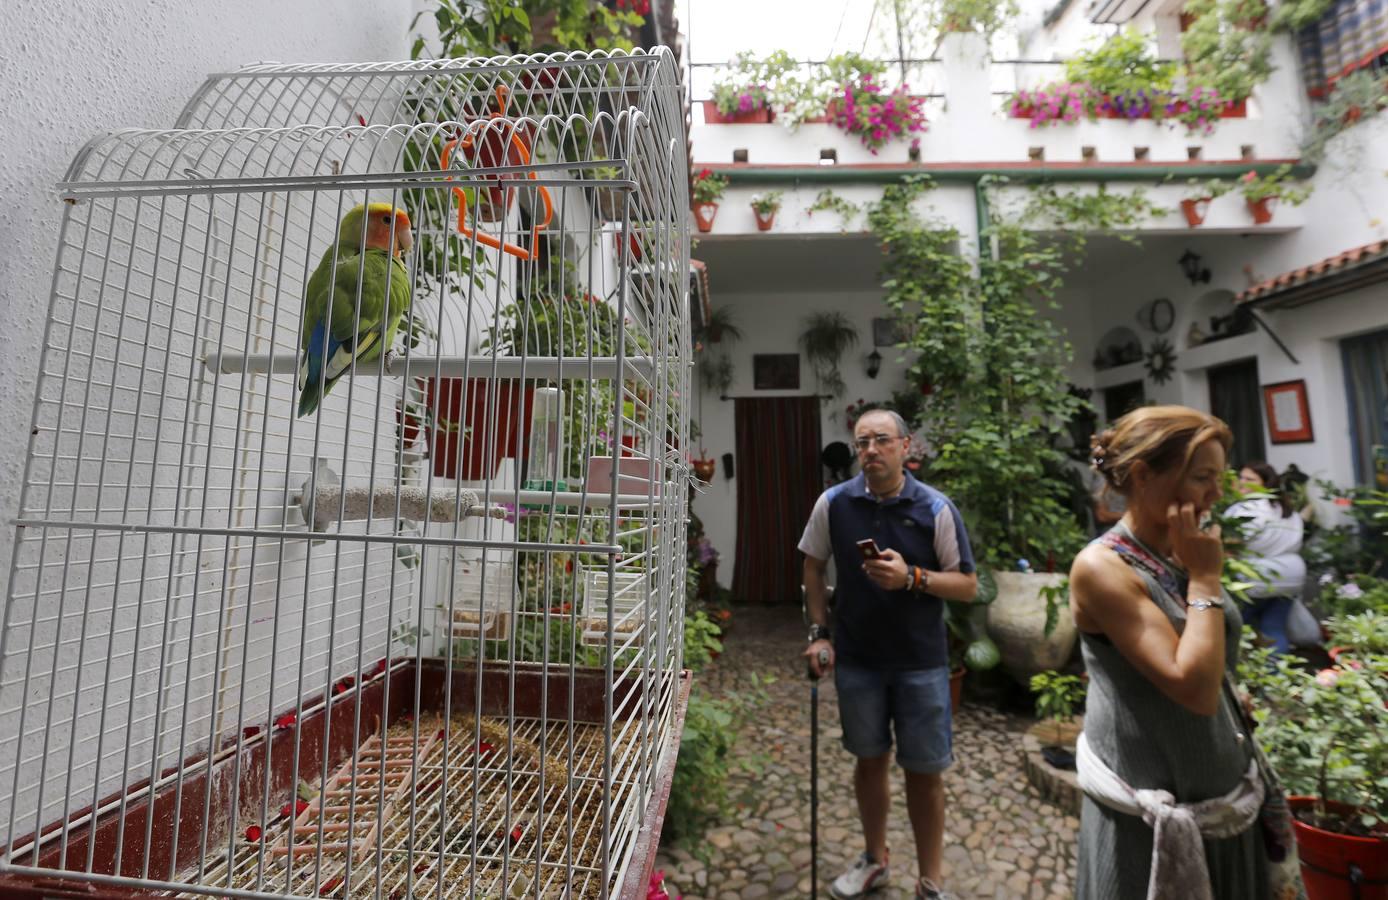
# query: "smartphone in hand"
x,y
868,547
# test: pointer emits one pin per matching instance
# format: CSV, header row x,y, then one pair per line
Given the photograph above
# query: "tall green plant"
x,y
1222,51
998,368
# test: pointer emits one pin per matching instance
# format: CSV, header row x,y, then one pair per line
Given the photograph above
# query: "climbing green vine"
x,y
1078,212
996,371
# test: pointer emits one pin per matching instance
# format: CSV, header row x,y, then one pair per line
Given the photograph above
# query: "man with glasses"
x,y
899,550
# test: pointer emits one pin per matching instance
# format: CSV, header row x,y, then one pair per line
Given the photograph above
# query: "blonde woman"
x,y
1161,731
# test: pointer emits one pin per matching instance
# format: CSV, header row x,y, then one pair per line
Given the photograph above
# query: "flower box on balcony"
x,y
759,116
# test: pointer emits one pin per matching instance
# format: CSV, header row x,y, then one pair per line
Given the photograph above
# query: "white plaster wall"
x,y
75,71
70,74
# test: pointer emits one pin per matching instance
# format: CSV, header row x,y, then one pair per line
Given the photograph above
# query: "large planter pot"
x,y
1017,624
1331,863
1195,210
1261,210
956,689
704,214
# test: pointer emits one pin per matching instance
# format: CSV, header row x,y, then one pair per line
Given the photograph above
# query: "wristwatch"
x,y
819,633
1206,603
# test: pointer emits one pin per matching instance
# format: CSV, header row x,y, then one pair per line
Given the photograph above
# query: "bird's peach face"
x,y
389,231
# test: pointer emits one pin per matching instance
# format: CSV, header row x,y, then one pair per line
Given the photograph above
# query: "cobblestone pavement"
x,y
1001,839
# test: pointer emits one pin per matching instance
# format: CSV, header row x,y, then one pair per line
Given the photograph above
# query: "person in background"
x,y
1271,536
900,550
1164,748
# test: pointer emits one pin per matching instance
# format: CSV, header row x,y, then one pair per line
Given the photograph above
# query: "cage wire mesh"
x,y
369,583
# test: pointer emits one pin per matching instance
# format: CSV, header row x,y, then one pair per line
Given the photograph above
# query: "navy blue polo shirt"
x,y
876,628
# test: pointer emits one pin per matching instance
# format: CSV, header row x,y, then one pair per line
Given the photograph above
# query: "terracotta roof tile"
x,y
1315,270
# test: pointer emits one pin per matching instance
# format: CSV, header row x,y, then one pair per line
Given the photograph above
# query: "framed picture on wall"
x,y
776,371
1288,414
890,332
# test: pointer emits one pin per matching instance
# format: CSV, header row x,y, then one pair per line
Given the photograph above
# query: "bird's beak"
x,y
404,240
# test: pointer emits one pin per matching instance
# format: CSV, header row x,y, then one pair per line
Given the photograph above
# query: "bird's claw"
x,y
388,360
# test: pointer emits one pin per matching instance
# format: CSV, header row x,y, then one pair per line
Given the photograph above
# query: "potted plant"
x,y
875,115
705,191
986,16
1259,192
721,325
827,336
1221,55
1058,698
764,207
1326,734
970,647
744,93
1059,102
1195,207
1125,75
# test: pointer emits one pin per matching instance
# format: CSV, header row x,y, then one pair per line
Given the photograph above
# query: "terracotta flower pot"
x,y
764,222
1195,210
1327,859
704,469
956,689
1261,210
712,116
498,416
704,214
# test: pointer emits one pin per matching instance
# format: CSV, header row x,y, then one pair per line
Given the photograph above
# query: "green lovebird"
x,y
332,336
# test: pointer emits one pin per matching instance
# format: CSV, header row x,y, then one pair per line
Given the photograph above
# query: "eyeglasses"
x,y
878,440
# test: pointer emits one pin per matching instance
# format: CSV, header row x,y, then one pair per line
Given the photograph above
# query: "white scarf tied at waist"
x,y
1178,856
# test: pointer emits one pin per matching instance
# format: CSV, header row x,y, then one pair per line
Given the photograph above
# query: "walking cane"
x,y
814,750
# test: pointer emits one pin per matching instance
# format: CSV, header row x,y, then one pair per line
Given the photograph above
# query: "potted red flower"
x,y
1195,208
1259,192
707,189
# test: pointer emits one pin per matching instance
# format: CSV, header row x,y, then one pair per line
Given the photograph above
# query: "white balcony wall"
x,y
969,124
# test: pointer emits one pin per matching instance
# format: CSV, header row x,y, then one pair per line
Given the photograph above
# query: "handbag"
x,y
1274,816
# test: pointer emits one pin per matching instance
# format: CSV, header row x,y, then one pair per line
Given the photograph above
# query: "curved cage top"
x,y
562,84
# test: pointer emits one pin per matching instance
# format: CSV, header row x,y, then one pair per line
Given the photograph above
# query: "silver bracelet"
x,y
1206,603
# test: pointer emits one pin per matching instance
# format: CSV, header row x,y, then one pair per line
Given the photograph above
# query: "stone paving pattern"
x,y
1002,840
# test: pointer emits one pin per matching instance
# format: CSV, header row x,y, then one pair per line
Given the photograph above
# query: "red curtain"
x,y
778,479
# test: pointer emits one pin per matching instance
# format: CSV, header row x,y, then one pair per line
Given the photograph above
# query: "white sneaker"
x,y
866,875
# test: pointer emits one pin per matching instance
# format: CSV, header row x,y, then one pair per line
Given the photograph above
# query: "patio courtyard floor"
x,y
1001,839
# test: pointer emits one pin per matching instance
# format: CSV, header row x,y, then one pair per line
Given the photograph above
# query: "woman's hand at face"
x,y
1200,551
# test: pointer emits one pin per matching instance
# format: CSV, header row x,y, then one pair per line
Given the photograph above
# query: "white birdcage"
x,y
229,663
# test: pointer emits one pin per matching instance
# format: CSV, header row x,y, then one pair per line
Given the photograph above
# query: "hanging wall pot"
x,y
727,465
704,469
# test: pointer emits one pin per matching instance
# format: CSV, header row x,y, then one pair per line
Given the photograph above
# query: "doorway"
x,y
1236,398
778,480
